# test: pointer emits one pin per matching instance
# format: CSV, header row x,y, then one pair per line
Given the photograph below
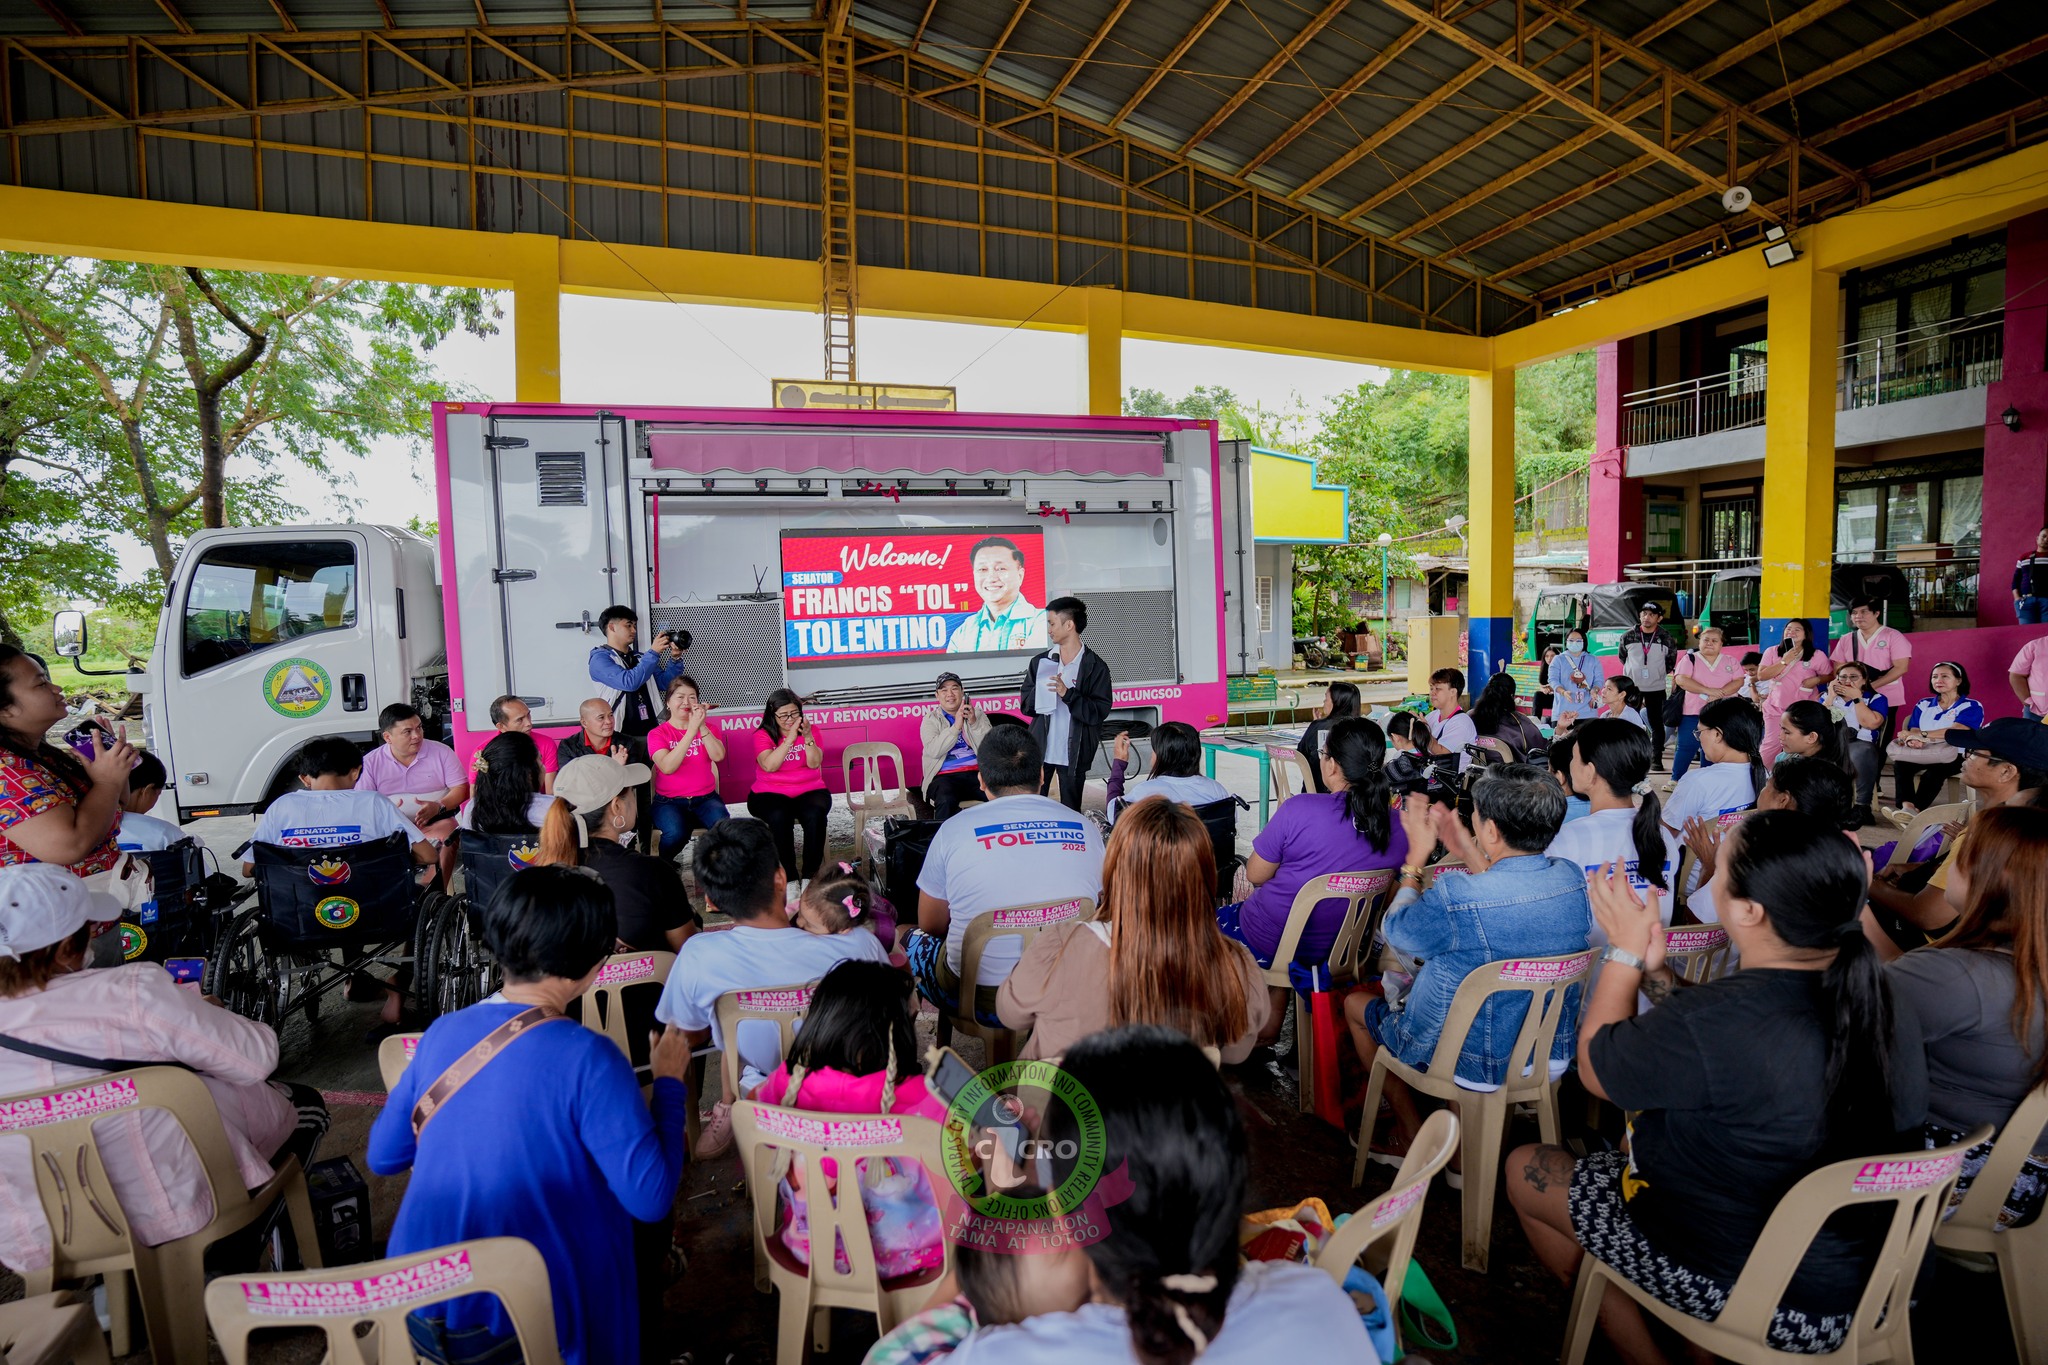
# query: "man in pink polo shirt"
x,y
1885,651
420,775
2029,677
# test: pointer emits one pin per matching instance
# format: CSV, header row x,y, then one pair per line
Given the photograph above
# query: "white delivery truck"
x,y
835,554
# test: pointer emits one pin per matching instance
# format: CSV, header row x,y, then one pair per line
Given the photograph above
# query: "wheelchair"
x,y
179,921
322,915
464,971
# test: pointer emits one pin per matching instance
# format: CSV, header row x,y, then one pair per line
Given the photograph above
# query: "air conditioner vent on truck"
x,y
559,475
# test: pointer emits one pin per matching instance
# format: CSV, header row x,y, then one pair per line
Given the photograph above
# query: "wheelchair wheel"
x,y
242,975
430,905
462,970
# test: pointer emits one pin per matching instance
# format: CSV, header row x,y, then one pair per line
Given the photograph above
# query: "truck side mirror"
x,y
69,634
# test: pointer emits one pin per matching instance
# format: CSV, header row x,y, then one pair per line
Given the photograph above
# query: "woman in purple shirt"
x,y
1351,828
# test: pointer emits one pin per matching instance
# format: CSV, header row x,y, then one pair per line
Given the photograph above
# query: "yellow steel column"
x,y
1491,580
1803,322
1105,352
537,318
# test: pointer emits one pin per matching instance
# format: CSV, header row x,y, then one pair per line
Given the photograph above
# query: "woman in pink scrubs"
x,y
1794,664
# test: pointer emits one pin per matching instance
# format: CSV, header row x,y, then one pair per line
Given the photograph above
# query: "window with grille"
x,y
1265,592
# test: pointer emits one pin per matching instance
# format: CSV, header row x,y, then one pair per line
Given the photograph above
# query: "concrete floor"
x,y
713,1316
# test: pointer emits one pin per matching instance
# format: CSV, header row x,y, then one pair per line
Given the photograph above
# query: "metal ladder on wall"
x,y
840,295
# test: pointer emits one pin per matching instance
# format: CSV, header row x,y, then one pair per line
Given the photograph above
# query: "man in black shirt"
x,y
2030,584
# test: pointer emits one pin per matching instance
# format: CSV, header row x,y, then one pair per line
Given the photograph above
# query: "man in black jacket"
x,y
1066,694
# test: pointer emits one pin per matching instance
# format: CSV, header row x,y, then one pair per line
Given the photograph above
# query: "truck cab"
x,y
272,636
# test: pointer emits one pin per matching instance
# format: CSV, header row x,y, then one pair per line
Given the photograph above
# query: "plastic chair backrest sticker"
x,y
1538,970
793,1000
1025,917
347,1298
1393,1205
795,1126
625,970
84,1102
1896,1177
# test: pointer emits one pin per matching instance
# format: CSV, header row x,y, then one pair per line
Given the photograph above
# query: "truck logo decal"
x,y
328,872
297,688
337,912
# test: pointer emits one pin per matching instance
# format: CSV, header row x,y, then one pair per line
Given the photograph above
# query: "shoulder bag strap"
x,y
58,1054
476,1059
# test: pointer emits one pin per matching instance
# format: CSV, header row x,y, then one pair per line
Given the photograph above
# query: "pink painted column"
x,y
2016,462
1614,502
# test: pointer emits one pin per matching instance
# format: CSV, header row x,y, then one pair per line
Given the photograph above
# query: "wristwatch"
x,y
1622,955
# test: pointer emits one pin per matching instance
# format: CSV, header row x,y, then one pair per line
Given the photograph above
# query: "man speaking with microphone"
x,y
1067,695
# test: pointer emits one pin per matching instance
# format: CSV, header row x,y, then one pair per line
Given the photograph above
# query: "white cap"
x,y
44,903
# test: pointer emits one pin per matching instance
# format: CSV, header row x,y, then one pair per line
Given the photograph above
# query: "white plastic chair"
x,y
1385,1229
1915,1184
362,1308
869,798
2021,1253
1545,980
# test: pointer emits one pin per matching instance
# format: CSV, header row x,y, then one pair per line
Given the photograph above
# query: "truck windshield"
x,y
245,598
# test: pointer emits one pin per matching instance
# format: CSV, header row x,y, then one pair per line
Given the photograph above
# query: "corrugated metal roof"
x,y
1536,198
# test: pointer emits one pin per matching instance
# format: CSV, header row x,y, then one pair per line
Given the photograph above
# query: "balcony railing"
x,y
1695,407
1946,587
1941,357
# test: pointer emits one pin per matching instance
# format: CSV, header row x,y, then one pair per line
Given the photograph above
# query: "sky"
x,y
617,351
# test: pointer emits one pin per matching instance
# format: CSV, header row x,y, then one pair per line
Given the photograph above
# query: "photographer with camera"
x,y
630,682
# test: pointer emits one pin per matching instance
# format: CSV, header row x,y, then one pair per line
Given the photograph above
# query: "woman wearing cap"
x,y
951,732
595,810
61,1025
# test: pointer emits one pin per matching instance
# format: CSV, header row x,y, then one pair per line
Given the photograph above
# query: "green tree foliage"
x,y
178,398
1402,447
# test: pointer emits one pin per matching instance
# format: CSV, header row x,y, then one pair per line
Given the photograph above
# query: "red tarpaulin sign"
x,y
862,596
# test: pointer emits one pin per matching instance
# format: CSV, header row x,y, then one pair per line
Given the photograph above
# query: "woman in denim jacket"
x,y
1515,901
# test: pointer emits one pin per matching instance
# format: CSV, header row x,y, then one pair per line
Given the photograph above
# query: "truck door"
x,y
271,647
560,554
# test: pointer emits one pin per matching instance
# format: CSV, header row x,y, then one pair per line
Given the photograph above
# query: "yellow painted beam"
x,y
1803,324
109,228
1972,200
1154,317
242,239
1491,534
1105,352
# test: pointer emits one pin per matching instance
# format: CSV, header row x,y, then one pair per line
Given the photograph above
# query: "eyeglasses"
x,y
789,713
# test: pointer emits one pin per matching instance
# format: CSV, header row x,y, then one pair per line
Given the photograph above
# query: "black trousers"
x,y
1919,784
1072,781
782,814
1866,761
946,791
1653,712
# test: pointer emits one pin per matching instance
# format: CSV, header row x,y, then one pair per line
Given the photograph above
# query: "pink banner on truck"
x,y
841,453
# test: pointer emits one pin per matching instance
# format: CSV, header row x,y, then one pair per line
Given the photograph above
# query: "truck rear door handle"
x,y
355,692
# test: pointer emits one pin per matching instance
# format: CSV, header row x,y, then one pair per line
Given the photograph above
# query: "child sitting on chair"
x,y
856,1054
